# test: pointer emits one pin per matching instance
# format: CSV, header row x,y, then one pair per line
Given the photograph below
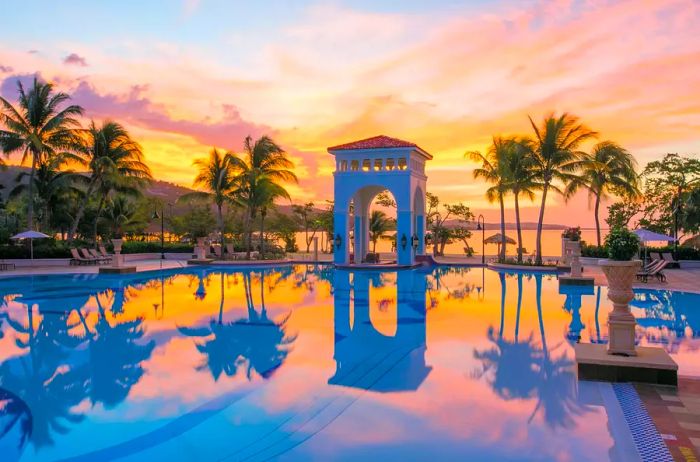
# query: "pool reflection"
x,y
365,357
81,352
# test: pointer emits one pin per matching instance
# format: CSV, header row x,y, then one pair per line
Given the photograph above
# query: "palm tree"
x,y
608,169
264,164
120,213
556,157
216,176
113,159
494,170
379,224
51,185
38,129
521,180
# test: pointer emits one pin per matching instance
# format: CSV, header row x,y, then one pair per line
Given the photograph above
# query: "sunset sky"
x,y
445,74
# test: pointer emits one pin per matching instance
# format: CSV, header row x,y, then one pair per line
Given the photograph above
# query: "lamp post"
x,y
156,216
481,225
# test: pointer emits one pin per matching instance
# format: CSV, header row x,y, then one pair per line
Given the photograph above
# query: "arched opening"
x,y
372,225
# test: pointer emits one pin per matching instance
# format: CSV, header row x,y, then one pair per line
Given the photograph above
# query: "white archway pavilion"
x,y
365,168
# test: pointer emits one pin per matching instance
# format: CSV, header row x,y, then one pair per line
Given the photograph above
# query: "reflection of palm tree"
x,y
521,370
15,425
556,384
509,364
115,357
257,340
40,378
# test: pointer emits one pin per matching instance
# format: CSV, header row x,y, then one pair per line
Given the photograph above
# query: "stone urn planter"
x,y
118,257
621,322
200,251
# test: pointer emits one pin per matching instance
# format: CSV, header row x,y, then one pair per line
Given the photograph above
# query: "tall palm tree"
x,y
494,170
556,156
216,176
522,180
608,169
40,127
263,164
112,157
120,213
379,224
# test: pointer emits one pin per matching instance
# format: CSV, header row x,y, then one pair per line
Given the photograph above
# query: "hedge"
x,y
682,253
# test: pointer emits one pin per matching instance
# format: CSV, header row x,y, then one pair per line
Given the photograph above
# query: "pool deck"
x,y
676,415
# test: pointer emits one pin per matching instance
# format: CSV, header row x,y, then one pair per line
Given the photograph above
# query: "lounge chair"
x,y
667,257
97,255
104,253
88,256
651,264
79,260
217,251
655,271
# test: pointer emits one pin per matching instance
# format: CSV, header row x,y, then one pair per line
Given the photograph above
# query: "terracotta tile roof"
x,y
376,142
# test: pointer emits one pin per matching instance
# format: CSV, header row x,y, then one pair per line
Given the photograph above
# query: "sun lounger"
x,y
667,257
77,259
88,256
217,251
97,255
104,253
655,271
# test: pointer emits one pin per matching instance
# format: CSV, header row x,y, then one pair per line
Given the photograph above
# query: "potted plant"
x,y
620,270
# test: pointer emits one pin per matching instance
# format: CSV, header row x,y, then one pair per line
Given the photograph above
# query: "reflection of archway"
x,y
365,357
364,169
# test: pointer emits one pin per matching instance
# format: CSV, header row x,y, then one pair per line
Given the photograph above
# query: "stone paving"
x,y
676,414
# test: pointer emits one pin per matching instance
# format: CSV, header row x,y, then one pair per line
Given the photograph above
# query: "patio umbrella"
x,y
31,235
645,236
497,238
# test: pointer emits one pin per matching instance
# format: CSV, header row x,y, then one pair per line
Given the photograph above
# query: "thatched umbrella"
x,y
497,239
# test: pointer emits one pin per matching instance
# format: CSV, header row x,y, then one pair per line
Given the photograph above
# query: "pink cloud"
x,y
74,59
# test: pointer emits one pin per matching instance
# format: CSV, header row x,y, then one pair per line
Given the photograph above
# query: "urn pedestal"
x,y
621,322
118,257
621,361
117,266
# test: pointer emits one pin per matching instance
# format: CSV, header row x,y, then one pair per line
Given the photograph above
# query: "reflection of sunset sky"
x,y
454,406
446,75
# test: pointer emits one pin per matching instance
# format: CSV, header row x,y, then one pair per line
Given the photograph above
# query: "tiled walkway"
x,y
676,414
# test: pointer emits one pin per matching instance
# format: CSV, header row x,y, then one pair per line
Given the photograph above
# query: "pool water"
x,y
312,363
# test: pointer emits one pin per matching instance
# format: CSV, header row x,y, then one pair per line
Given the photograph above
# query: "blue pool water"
x,y
311,363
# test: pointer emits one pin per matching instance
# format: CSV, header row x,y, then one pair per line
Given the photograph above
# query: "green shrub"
x,y
154,247
594,251
622,244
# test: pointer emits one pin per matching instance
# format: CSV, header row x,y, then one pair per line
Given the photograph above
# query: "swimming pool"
x,y
313,363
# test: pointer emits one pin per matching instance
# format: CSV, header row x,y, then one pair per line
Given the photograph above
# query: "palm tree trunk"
x,y
597,220
502,250
517,227
538,240
30,193
249,232
81,211
220,219
94,227
262,234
